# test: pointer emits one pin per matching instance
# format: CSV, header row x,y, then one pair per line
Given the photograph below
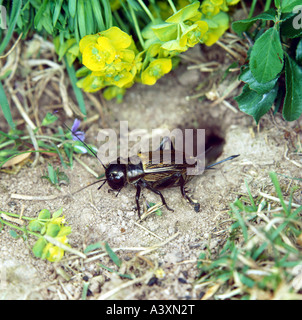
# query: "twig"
x,y
278,200
292,161
63,246
21,109
38,198
124,285
153,234
85,166
35,144
230,51
232,87
13,47
11,219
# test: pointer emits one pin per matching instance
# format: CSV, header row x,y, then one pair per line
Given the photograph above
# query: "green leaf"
x,y
14,234
261,88
292,107
14,15
299,52
277,3
112,255
35,226
52,229
243,25
57,11
44,214
256,104
39,15
289,5
64,231
77,91
165,31
186,13
266,60
72,7
5,107
38,247
52,174
81,18
92,247
57,213
97,12
107,13
89,18
49,118
291,25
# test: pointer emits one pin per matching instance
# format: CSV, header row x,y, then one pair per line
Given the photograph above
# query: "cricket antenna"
x,y
85,144
229,158
91,184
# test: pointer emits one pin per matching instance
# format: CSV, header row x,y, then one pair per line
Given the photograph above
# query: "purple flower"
x,y
77,135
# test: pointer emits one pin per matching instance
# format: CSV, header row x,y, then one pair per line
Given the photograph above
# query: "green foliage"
x,y
61,144
263,246
50,229
55,177
276,54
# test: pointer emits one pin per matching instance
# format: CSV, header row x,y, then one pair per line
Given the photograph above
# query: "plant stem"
x,y
137,29
19,228
252,9
146,10
267,5
16,215
173,6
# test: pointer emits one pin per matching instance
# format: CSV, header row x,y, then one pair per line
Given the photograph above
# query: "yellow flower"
x,y
194,34
211,7
96,56
156,70
118,38
90,39
110,55
54,253
91,83
219,24
232,2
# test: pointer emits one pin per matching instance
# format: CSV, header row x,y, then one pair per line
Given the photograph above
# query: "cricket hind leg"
x,y
194,203
146,185
137,196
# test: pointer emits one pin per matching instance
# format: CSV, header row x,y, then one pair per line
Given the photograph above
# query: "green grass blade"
x,y
250,196
72,7
57,11
275,181
15,12
77,91
116,260
107,13
97,11
5,107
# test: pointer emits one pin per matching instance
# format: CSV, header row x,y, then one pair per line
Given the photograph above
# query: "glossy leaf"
x,y
299,52
256,104
291,26
243,25
261,88
185,13
292,107
289,5
266,60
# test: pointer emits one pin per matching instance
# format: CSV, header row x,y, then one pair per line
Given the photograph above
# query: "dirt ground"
x,y
180,235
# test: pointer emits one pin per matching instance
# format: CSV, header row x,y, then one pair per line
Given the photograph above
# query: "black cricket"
x,y
150,171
